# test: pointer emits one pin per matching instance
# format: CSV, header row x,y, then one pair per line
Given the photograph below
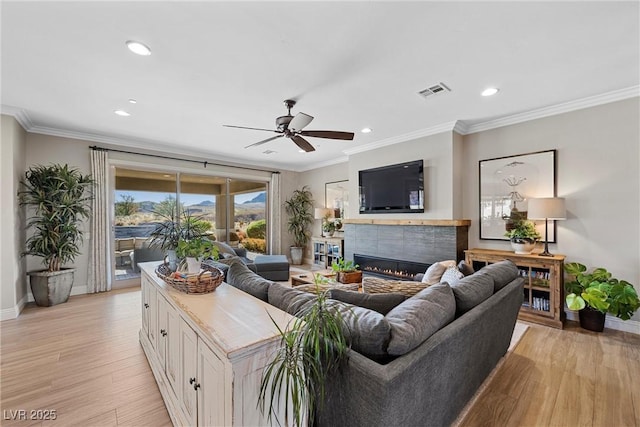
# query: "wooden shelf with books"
x,y
543,287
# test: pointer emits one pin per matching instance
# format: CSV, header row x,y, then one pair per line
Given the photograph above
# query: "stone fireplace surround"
x,y
421,241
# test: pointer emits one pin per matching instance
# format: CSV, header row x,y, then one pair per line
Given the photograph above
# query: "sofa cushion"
x,y
241,277
433,273
465,268
502,272
452,276
382,303
419,317
287,299
369,331
471,291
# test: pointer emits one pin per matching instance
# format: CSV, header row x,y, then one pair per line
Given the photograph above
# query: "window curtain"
x,y
99,279
275,209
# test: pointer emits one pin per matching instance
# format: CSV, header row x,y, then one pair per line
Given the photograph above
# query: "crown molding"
x,y
578,104
445,127
20,115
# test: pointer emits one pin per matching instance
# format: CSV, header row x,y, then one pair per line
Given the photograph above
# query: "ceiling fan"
x,y
291,127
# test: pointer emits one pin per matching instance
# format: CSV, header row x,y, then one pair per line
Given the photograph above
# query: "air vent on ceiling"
x,y
434,90
268,152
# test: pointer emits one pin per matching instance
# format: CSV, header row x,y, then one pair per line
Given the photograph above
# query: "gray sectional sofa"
x,y
419,362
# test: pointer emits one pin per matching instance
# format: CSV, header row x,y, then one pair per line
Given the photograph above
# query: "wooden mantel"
x,y
432,222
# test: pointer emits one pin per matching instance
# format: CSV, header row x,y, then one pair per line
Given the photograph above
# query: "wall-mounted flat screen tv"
x,y
392,189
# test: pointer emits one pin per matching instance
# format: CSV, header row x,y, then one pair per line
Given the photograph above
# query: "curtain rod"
x,y
204,163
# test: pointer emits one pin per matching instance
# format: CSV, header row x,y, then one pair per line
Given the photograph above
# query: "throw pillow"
x,y
419,317
239,276
382,303
471,291
223,249
433,273
465,268
449,263
452,275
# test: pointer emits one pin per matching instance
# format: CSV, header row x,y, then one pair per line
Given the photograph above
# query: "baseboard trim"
x,y
611,322
13,312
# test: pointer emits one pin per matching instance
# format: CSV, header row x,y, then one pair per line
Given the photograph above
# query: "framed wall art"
x,y
506,184
337,197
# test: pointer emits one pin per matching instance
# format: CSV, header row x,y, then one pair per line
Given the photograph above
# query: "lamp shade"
x,y
547,208
321,213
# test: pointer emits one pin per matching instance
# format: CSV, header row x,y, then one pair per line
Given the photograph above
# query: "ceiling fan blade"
x,y
302,143
299,122
263,141
244,127
330,134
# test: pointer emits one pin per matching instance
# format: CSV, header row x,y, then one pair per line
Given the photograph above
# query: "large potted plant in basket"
x,y
596,293
299,208
58,199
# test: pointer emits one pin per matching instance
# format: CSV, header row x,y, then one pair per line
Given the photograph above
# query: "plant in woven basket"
x,y
312,346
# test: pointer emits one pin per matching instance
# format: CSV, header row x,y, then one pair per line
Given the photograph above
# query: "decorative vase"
x,y
522,247
172,259
51,287
591,320
296,255
193,265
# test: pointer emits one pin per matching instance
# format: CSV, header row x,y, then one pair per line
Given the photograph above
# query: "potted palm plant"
x,y
299,208
58,199
523,236
313,345
596,293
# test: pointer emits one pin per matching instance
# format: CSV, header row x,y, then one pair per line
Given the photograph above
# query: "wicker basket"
x,y
376,285
201,283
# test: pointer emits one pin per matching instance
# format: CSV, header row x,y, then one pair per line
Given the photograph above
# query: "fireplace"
x,y
389,268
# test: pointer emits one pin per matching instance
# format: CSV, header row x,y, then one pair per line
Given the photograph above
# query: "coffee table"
x,y
307,278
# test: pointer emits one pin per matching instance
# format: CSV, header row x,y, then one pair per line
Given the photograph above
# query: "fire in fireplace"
x,y
389,268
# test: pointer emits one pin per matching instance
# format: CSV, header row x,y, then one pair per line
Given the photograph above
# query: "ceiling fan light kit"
x,y
292,128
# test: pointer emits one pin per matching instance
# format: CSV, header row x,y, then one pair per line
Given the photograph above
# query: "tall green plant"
x,y
177,223
299,208
312,346
59,198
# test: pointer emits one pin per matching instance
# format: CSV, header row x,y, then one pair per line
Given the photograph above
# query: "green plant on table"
x,y
199,248
344,266
523,230
312,346
600,291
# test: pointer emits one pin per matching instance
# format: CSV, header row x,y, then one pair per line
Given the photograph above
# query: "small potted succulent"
x,y
596,293
346,271
523,236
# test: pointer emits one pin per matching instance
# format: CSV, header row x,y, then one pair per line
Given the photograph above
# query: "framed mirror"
x,y
337,197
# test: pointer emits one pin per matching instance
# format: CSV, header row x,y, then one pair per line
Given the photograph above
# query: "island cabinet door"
x,y
211,396
172,367
148,301
153,317
161,349
188,373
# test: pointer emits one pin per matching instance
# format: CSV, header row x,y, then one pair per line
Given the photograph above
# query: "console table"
x,y
207,351
543,286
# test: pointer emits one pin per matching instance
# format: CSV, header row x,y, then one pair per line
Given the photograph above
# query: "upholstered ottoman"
x,y
272,267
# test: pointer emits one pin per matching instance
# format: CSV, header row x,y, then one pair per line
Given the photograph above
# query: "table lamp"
x,y
546,208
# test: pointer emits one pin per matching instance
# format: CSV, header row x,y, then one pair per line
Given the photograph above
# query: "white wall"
x,y
437,153
598,172
13,286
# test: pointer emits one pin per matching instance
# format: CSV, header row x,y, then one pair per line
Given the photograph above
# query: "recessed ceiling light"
x,y
132,101
489,91
122,113
138,48
366,130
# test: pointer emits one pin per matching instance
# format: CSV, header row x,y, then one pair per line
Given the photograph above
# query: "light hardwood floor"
x,y
83,360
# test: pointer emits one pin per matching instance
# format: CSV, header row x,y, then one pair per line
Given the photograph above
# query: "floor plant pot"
x,y
591,320
51,287
296,255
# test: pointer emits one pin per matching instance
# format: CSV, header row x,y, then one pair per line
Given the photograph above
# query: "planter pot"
x,y
172,259
523,247
349,276
296,255
193,265
51,287
591,320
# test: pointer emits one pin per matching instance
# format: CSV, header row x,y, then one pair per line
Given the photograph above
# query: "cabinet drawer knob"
x,y
163,332
192,380
196,386
146,305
